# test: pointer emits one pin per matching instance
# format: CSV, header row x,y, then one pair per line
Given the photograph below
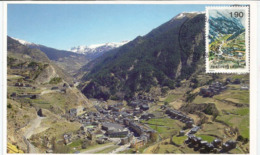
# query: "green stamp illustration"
x,y
227,39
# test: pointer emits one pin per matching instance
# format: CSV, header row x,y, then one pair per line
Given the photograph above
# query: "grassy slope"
x,y
230,114
165,126
54,104
18,117
179,140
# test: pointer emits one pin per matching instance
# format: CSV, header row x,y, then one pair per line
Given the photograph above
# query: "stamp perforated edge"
x,y
247,40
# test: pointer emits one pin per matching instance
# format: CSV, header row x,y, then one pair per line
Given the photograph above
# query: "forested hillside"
x,y
163,57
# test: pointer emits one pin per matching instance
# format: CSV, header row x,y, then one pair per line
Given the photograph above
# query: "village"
x,y
113,123
197,142
121,123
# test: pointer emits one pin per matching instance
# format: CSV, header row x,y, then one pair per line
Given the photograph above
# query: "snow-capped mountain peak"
x,y
184,14
97,48
108,44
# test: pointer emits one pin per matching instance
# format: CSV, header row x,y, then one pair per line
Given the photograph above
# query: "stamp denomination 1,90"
x,y
227,39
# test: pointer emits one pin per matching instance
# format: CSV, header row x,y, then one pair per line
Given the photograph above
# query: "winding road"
x,y
220,49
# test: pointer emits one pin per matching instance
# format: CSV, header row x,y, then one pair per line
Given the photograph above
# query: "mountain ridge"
x,y
156,59
19,53
89,50
72,61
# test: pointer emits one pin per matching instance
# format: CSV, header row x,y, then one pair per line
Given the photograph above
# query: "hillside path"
x,y
97,149
30,131
120,149
48,91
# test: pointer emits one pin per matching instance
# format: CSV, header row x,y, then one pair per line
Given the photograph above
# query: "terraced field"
x,y
165,126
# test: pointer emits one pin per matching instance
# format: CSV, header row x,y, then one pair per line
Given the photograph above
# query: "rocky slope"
x,y
34,82
33,63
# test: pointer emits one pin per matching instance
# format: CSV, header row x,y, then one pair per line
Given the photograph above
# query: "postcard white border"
x,y
253,57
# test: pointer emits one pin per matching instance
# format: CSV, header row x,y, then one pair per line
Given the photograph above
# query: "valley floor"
x,y
223,116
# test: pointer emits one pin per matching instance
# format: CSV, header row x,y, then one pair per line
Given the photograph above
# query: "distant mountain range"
x,y
69,61
72,60
97,49
52,53
221,25
43,69
91,51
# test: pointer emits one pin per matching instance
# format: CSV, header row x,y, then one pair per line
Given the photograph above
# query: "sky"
x,y
63,26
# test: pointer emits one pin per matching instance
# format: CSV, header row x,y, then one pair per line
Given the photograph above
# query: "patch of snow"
x,y
197,12
113,44
95,48
23,41
180,16
183,14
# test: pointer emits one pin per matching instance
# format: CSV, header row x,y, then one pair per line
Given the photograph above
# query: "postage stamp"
x,y
227,39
